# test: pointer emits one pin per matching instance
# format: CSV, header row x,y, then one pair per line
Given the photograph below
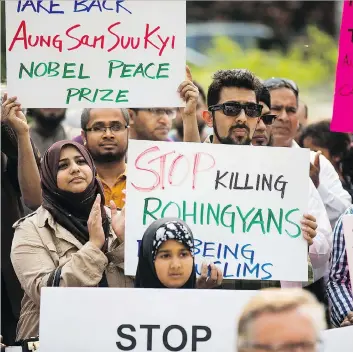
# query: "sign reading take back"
x,y
86,53
243,206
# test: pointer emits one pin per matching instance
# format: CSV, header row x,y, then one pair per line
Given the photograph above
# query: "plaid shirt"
x,y
339,287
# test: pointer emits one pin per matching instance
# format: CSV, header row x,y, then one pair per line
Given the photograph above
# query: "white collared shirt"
x,y
336,199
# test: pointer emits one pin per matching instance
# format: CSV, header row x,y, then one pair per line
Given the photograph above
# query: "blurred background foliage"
x,y
310,61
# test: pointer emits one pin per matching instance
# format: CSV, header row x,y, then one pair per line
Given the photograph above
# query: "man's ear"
x,y
83,136
207,117
132,114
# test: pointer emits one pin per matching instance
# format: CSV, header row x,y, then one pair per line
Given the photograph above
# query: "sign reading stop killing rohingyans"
x,y
243,206
103,53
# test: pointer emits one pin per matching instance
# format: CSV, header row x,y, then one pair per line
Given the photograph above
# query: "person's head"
x,y
284,104
281,317
70,187
333,145
151,124
200,108
48,119
166,257
233,109
105,133
67,166
263,131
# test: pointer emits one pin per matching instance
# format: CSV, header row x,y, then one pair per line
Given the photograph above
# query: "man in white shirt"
x,y
231,100
284,103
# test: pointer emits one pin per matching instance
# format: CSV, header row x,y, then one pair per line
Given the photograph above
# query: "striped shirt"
x,y
339,287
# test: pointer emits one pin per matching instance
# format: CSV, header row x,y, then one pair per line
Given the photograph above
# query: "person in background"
x,y
263,130
233,108
302,115
281,320
154,124
335,146
339,286
105,134
177,134
19,179
72,240
49,127
166,257
284,103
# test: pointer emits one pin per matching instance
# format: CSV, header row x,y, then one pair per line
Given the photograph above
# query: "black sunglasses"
x,y
282,83
268,119
233,108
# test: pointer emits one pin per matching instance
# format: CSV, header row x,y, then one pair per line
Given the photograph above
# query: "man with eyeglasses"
x,y
154,124
151,124
286,320
233,108
285,101
105,133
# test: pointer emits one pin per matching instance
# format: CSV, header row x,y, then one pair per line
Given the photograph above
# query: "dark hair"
x,y
239,78
201,91
265,96
337,143
86,114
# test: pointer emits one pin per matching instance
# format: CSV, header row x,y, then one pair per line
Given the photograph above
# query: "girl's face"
x,y
74,174
173,264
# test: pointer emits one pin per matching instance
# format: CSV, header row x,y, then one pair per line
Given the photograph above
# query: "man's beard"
x,y
48,122
110,157
246,140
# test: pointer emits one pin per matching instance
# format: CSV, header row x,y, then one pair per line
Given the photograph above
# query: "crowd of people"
x,y
72,188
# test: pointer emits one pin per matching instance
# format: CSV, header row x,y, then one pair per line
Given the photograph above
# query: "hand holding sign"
x,y
190,94
348,320
309,227
12,115
315,170
211,279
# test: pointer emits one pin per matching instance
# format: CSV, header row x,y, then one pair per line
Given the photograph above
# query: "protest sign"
x,y
335,340
347,221
342,119
243,204
95,53
113,319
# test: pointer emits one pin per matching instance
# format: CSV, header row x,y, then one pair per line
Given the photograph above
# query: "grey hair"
x,y
86,114
276,300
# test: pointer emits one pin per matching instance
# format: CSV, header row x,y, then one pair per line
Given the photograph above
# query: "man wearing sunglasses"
x,y
284,103
233,108
263,131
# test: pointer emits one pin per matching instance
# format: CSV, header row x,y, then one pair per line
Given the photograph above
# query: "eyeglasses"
x,y
268,119
117,128
233,108
281,83
171,113
305,346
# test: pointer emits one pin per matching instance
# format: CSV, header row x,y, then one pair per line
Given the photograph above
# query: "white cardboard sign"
x,y
109,319
243,204
102,53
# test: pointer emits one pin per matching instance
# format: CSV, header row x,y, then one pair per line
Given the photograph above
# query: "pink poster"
x,y
342,119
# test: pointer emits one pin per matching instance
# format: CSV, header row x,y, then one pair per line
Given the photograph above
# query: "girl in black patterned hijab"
x,y
166,258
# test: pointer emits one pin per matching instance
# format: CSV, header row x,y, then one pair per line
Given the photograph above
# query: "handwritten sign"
x,y
243,204
342,119
85,53
347,221
129,322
